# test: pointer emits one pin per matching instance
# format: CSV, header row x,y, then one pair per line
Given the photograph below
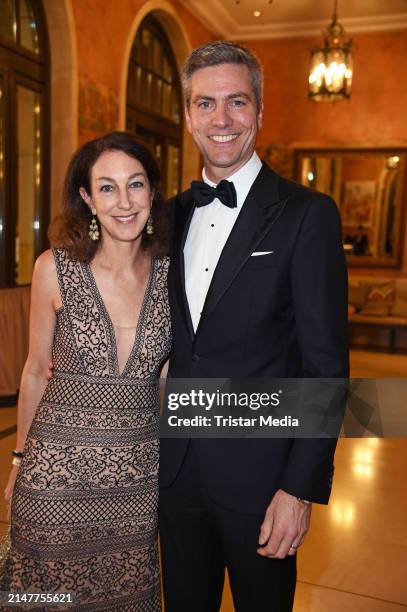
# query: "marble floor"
x,y
354,558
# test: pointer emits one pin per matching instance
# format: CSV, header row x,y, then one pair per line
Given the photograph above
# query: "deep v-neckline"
x,y
139,333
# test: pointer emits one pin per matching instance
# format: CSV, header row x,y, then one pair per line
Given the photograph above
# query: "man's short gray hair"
x,y
223,52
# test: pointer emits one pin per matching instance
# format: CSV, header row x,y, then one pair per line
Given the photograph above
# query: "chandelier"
x,y
331,71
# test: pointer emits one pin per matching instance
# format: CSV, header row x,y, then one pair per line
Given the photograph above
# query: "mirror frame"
x,y
368,261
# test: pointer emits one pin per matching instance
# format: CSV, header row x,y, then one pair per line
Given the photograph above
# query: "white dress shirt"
x,y
208,232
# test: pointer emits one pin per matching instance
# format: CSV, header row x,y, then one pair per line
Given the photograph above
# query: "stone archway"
x,y
166,14
64,93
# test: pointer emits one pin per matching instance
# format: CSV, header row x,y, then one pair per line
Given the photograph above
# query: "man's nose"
x,y
221,117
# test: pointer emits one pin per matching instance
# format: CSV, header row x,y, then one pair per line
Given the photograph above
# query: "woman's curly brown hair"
x,y
69,230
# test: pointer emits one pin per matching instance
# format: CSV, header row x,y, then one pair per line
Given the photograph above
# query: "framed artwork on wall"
x,y
358,203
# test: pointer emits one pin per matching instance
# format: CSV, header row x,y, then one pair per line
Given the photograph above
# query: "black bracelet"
x,y
17,454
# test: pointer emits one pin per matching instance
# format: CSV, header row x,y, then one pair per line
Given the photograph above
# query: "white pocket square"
x,y
257,253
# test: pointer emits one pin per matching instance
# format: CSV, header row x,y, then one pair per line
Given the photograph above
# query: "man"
x,y
257,288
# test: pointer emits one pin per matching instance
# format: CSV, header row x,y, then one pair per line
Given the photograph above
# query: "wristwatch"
x,y
304,501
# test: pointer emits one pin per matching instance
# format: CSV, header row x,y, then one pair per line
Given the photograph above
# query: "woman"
x,y
84,507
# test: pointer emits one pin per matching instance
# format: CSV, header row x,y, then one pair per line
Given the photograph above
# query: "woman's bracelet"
x,y
17,457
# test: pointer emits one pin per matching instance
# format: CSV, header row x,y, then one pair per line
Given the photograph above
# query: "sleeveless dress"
x,y
84,509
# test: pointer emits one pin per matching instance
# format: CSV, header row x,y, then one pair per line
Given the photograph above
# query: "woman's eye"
x,y
136,184
106,188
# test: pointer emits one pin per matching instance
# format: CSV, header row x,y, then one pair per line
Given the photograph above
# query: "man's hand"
x,y
284,527
50,369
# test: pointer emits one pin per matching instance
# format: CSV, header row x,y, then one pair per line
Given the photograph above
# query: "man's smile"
x,y
223,138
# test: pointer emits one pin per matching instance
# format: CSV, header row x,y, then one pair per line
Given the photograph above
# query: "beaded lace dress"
x,y
84,510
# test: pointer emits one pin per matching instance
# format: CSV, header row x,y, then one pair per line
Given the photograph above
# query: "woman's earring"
x,y
94,230
150,226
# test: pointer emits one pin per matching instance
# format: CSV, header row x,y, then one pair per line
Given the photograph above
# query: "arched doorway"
x,y
24,138
154,100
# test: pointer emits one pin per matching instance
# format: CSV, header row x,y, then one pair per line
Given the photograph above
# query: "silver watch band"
x,y
304,501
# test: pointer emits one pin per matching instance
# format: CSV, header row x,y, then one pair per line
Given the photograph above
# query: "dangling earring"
x,y
150,226
93,230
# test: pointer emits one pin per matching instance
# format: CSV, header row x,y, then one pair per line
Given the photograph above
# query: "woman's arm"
x,y
44,301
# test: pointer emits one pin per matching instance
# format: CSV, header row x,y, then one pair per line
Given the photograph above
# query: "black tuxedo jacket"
x,y
281,315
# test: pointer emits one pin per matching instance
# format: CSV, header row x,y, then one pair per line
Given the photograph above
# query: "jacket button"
x,y
195,357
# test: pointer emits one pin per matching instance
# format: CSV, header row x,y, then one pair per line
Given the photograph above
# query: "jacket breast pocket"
x,y
261,261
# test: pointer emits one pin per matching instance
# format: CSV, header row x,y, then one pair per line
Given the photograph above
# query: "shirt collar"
x,y
242,179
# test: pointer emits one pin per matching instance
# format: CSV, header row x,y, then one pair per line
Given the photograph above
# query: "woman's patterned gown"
x,y
84,510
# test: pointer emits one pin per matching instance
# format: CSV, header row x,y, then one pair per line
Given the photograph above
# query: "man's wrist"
x,y
299,499
304,501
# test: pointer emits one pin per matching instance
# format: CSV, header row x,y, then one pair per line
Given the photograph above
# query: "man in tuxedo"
x,y
258,288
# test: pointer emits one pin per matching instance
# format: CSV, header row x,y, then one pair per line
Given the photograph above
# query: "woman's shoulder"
x,y
45,263
45,272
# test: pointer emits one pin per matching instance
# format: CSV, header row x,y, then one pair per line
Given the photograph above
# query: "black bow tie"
x,y
205,194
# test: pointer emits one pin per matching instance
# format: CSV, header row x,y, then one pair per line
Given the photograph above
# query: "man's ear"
x,y
188,119
87,199
260,116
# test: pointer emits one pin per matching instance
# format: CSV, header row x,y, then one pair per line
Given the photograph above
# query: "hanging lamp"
x,y
331,71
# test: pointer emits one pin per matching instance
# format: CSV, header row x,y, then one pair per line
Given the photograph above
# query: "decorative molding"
x,y
214,16
382,23
64,92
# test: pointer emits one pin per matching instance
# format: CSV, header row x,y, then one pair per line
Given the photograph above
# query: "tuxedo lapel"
x,y
260,211
183,215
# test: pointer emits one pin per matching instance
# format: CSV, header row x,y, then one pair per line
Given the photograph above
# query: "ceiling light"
x,y
257,13
331,72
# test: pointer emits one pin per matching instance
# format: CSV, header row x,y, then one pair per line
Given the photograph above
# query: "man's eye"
x,y
204,104
106,188
238,103
136,184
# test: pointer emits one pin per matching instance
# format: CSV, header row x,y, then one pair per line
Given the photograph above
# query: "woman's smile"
x,y
125,219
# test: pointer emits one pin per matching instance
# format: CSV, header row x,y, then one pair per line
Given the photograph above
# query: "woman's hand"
x,y
8,491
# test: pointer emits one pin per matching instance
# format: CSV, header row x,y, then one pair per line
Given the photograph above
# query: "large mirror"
x,y
369,188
